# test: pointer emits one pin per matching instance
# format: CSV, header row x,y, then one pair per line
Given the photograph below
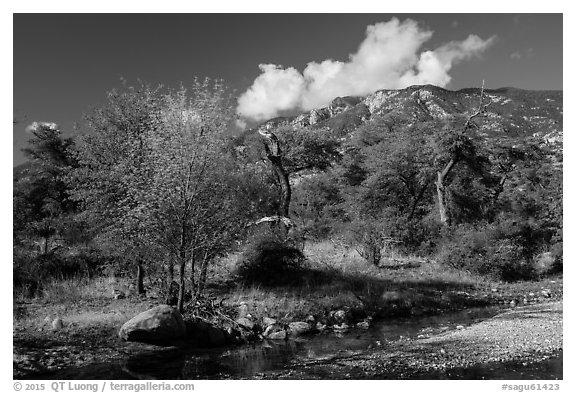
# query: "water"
x,y
248,360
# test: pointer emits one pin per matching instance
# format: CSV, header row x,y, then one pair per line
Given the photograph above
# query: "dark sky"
x,y
65,63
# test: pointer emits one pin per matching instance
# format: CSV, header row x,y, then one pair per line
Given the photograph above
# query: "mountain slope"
x,y
512,113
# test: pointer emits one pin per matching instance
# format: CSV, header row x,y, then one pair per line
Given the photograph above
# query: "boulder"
x,y
159,324
279,335
363,324
242,310
268,321
206,335
341,327
340,316
272,329
299,328
248,324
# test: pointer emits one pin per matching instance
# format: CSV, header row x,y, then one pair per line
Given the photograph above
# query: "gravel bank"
x,y
523,337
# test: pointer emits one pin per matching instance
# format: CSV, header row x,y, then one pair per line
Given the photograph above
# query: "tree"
x,y
164,185
111,160
454,145
42,202
292,150
189,203
400,170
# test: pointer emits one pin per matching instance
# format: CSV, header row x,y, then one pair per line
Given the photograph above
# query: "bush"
x,y
32,269
271,261
557,253
489,251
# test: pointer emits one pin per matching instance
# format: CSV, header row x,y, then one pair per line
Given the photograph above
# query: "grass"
x,y
338,278
334,277
79,302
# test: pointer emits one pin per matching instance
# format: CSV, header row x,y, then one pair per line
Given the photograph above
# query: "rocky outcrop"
x,y
159,324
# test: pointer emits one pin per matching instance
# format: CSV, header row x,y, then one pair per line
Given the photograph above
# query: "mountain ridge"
x,y
511,112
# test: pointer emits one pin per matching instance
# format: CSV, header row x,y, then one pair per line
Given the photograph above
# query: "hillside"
x,y
512,113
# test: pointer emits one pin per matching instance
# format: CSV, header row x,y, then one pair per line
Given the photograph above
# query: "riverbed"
x,y
455,345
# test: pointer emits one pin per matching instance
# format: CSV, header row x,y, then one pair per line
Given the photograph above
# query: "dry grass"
x,y
338,278
79,302
335,277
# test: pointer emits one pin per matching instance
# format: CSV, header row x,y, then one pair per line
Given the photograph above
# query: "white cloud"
x,y
387,58
30,128
274,90
516,56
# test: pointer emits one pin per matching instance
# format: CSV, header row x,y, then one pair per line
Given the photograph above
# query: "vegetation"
x,y
156,194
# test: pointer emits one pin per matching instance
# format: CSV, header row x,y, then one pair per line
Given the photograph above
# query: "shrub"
x,y
32,269
489,251
557,253
270,261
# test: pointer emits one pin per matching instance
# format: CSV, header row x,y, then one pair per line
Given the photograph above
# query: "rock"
x,y
342,326
513,303
248,324
207,335
57,324
161,323
268,321
272,329
280,335
298,328
363,324
310,319
340,316
242,310
320,326
232,332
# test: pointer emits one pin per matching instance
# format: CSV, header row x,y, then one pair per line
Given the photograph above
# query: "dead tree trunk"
x,y
442,192
274,155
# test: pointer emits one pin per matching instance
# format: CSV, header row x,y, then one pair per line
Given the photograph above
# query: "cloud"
x,y
389,57
516,55
274,90
32,127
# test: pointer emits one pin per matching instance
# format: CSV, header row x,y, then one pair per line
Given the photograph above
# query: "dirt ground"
x,y
519,338
90,335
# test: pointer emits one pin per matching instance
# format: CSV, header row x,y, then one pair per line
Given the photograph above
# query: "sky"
x,y
63,64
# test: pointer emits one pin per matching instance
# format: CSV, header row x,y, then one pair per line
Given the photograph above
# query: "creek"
x,y
246,361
